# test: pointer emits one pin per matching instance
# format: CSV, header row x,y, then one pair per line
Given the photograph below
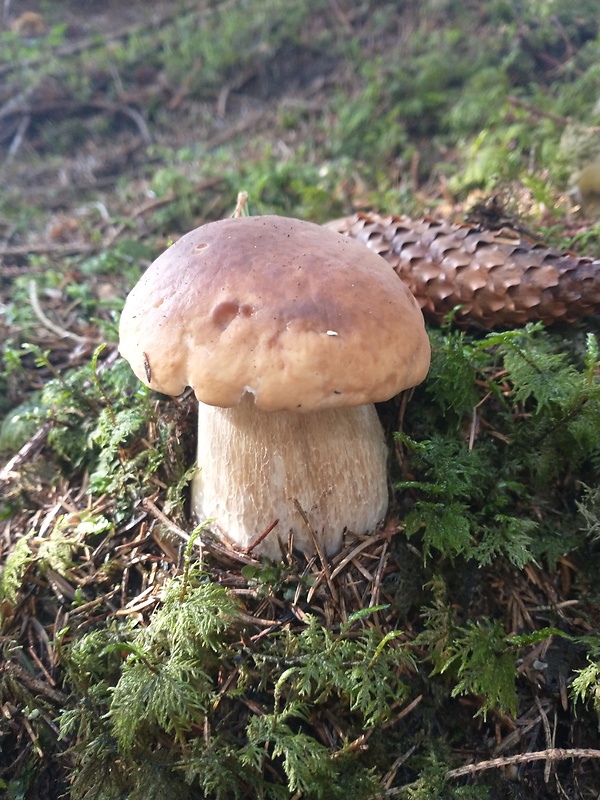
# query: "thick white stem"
x,y
254,465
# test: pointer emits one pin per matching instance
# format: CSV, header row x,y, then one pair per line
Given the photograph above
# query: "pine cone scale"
x,y
498,278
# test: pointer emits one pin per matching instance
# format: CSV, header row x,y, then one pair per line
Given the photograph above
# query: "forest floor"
x,y
455,636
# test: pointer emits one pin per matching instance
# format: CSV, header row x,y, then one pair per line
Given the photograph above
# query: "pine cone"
x,y
499,278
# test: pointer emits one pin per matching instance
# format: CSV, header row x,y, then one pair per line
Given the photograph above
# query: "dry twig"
x,y
47,323
555,754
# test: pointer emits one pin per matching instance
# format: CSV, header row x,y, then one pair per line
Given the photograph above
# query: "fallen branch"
x,y
34,685
91,249
70,107
47,323
29,449
553,754
157,202
539,112
45,249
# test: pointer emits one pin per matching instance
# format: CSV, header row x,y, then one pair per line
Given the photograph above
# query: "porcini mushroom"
x,y
288,333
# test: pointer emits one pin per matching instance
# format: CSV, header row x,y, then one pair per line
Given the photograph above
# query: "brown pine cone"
x,y
499,278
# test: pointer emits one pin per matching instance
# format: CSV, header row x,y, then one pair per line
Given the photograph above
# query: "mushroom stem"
x,y
257,467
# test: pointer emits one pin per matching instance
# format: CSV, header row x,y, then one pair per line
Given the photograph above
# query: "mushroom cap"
x,y
299,316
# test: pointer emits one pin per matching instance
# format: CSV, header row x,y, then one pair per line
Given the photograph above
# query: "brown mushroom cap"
x,y
296,314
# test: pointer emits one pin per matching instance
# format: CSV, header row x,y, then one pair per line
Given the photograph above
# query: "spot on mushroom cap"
x,y
296,314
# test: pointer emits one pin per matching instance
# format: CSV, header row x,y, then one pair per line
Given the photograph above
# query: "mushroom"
x,y
288,333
